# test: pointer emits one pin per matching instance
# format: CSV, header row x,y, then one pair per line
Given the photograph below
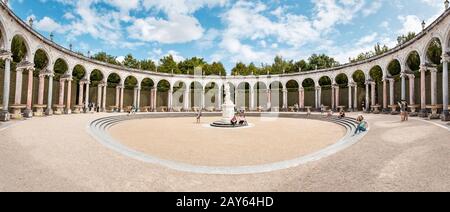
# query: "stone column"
x,y
29,110
252,99
301,97
99,95
186,98
403,89
433,86
203,99
170,99
105,87
80,94
18,94
219,98
4,114
134,97
49,110
412,99
373,94
121,98
350,102
333,97
385,104
61,92
336,93
355,106
445,112
285,99
155,98
391,91
367,98
423,97
117,102
316,98
320,96
236,94
138,103
41,89
269,99
86,101
69,96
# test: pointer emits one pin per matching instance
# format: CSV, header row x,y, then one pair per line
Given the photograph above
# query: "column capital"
x,y
24,65
318,87
433,70
445,57
411,76
5,55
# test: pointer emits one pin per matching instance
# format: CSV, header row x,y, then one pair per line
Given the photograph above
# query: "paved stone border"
x,y
99,130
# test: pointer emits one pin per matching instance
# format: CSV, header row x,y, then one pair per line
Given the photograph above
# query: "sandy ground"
x,y
270,140
57,154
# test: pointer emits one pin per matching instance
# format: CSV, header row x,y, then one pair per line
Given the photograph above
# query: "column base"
x,y
49,112
5,116
434,116
68,111
27,113
39,110
445,116
423,113
59,109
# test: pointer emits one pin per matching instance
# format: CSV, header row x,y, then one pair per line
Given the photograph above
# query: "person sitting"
x,y
362,125
234,121
342,114
242,120
330,113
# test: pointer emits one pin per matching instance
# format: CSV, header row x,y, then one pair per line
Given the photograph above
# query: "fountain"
x,y
227,111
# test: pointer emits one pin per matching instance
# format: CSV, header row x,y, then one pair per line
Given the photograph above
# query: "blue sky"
x,y
227,30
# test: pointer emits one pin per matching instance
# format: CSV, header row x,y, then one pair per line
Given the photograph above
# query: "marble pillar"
x,y
367,103
445,112
4,113
117,100
28,113
80,94
186,101
18,91
423,97
385,101
355,99
285,99
99,95
105,88
252,99
86,101
69,97
337,93
373,93
122,88
350,102
403,83
412,99
49,110
433,86
138,103
333,97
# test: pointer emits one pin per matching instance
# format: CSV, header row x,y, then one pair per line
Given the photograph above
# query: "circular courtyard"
x,y
269,140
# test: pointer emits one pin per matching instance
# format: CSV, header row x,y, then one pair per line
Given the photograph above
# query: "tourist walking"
x,y
362,125
199,116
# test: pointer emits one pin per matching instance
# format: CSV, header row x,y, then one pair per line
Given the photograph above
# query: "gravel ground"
x,y
57,154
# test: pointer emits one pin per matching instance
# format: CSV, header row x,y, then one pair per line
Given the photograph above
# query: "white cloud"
x,y
410,23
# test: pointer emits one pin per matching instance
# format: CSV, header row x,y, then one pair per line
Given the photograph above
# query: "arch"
x,y
41,60
260,89
276,95
60,67
433,51
4,36
20,48
341,79
196,94
243,95
96,77
292,87
78,73
394,67
376,73
413,61
359,77
130,82
325,81
211,90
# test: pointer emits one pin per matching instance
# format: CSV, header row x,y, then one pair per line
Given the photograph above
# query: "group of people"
x,y
239,119
133,110
92,107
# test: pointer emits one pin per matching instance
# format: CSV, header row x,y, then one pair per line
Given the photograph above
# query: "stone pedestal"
x,y
17,111
68,111
59,109
39,112
77,109
423,113
49,112
28,113
445,116
4,116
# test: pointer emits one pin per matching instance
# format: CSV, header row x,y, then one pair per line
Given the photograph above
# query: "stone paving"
x,y
57,154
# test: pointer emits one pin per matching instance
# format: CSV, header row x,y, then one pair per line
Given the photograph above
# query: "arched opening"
x,y
211,90
309,87
41,63
196,94
130,84
163,89
243,96
60,68
96,79
147,85
325,84
20,51
342,83
276,96
179,89
376,74
394,70
413,65
78,74
360,79
261,96
112,99
292,87
433,60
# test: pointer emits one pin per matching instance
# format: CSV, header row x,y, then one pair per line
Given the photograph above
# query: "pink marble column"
x,y
412,99
81,93
423,97
333,97
117,102
29,111
69,96
350,102
18,94
61,92
41,90
373,97
336,93
385,101
99,95
104,97
121,98
269,99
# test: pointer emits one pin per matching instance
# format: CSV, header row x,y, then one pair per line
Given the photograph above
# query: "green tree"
x,y
402,39
130,62
168,64
188,66
147,65
322,61
217,68
104,57
240,69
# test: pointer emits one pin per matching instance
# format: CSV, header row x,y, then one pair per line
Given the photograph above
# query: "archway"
x,y
147,85
163,89
41,63
413,65
78,74
292,87
342,83
325,83
179,90
211,90
112,98
360,79
309,87
196,94
261,95
276,96
129,97
376,74
394,70
434,84
96,79
243,96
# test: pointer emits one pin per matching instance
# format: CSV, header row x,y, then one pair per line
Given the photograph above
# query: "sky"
x,y
228,31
